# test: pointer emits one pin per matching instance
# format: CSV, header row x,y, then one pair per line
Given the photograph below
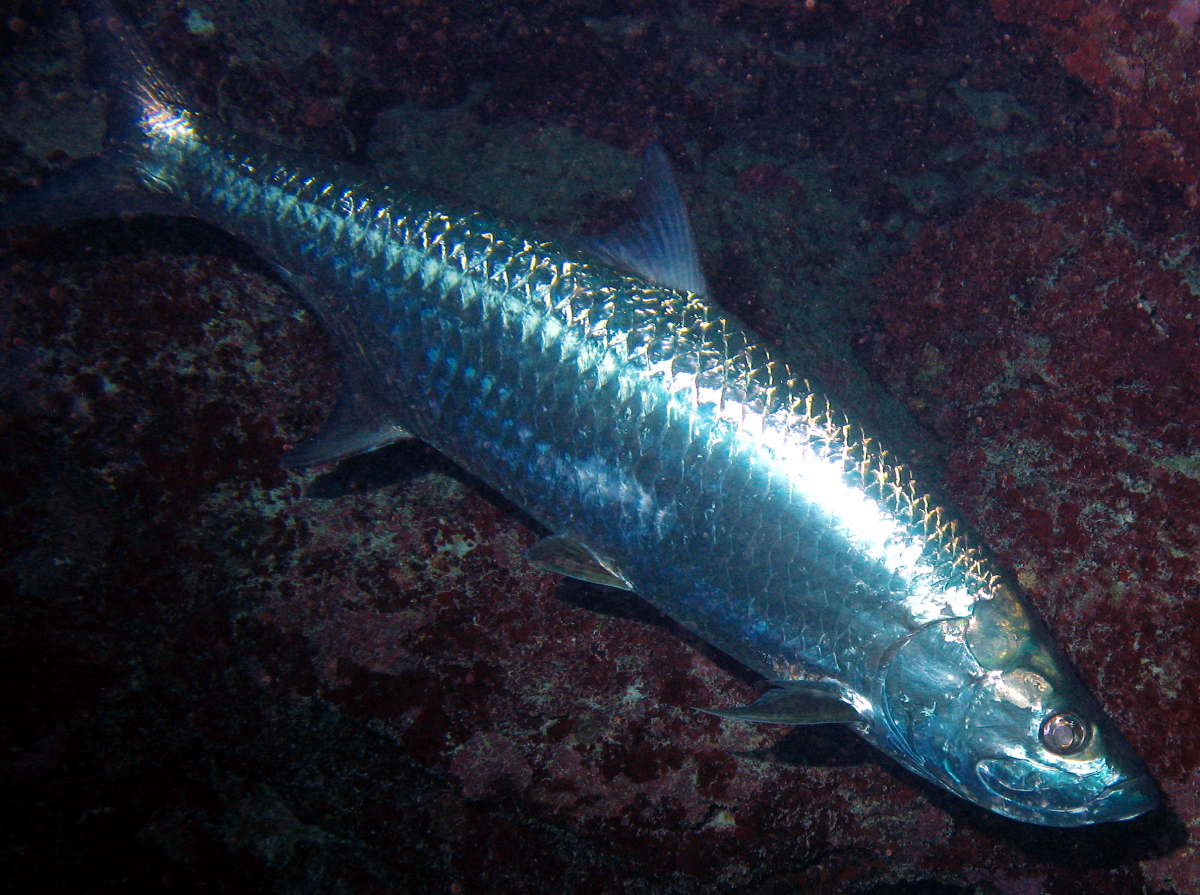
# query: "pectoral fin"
x,y
564,556
795,702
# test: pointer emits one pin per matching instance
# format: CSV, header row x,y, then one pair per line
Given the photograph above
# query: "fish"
x,y
664,447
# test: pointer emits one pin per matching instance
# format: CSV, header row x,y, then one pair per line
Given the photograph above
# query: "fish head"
x,y
988,707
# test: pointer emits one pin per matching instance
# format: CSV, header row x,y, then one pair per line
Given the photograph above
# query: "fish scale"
x,y
662,445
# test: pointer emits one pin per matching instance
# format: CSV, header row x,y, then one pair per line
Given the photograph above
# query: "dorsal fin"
x,y
658,245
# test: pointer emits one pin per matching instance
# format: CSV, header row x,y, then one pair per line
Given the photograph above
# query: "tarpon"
x,y
664,447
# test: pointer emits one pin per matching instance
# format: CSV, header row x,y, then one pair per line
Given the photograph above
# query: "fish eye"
x,y
1064,733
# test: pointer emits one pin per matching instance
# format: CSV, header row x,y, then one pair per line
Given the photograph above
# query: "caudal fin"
x,y
139,98
102,187
139,92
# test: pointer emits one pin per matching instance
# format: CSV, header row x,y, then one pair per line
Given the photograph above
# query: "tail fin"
x,y
139,92
140,98
102,187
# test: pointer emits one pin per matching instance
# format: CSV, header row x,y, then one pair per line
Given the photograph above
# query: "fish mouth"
x,y
1125,799
1028,794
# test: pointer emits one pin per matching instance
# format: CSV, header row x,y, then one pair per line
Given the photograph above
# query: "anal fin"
x,y
358,423
564,556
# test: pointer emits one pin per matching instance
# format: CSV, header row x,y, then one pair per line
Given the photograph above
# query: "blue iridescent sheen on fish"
x,y
664,447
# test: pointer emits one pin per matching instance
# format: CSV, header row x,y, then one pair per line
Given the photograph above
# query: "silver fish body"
x,y
642,425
